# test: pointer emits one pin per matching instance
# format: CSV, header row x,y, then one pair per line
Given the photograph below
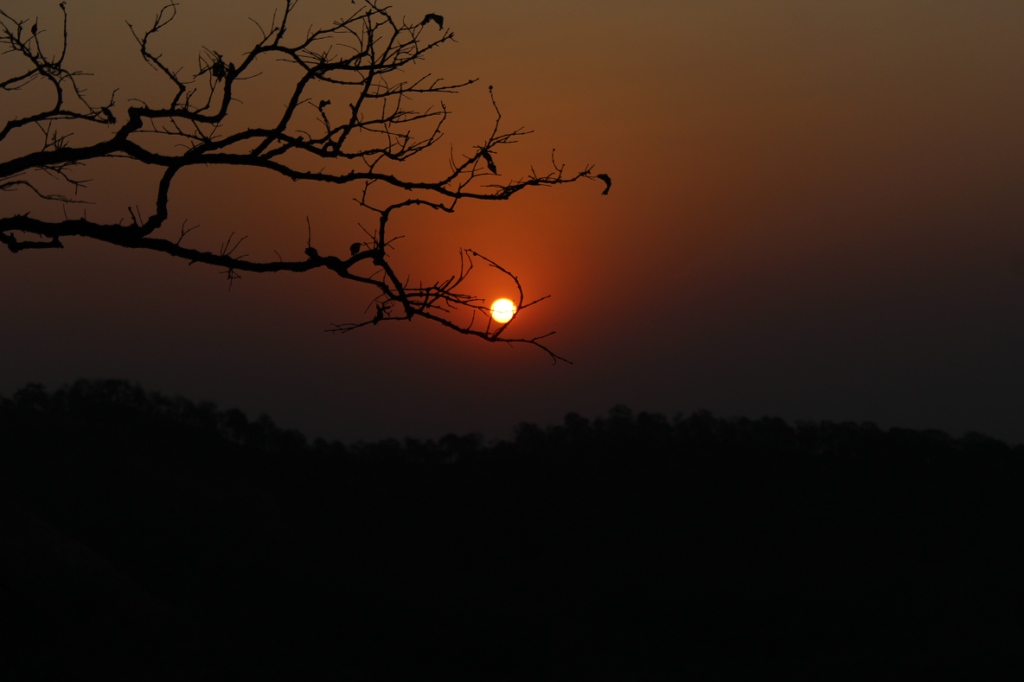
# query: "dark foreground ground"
x,y
149,538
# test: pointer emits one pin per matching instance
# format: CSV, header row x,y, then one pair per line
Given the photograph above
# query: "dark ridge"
x,y
145,536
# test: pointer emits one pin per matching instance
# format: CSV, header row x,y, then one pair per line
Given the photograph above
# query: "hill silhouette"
x,y
146,535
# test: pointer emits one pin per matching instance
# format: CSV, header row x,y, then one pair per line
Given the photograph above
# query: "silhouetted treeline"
x,y
112,413
146,535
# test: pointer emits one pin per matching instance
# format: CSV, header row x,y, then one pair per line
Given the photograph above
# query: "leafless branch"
x,y
373,118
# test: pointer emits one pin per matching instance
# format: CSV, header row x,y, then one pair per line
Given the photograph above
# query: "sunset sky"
x,y
817,212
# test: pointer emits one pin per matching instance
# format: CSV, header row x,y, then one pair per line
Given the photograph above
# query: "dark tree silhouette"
x,y
361,61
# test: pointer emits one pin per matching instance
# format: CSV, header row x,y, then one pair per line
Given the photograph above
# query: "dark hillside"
x,y
141,535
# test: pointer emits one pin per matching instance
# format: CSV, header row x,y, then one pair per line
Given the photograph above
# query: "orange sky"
x,y
816,213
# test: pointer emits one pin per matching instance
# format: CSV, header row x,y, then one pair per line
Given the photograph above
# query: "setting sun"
x,y
502,310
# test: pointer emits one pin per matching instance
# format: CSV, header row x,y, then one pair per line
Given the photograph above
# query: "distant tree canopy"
x,y
109,413
630,534
113,411
353,116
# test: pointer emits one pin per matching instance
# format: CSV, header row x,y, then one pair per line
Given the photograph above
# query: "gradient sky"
x,y
817,213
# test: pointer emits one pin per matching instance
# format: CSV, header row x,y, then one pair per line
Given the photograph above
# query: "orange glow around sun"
x,y
502,310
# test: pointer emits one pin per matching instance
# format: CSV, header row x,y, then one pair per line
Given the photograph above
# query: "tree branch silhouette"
x,y
375,125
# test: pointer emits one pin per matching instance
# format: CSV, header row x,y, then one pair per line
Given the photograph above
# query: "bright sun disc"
x,y
502,310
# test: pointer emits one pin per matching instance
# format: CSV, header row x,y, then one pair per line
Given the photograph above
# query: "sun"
x,y
502,310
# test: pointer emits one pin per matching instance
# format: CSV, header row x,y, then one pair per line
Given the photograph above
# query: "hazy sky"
x,y
817,213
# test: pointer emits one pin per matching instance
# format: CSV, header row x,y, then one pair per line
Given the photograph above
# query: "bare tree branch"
x,y
374,118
